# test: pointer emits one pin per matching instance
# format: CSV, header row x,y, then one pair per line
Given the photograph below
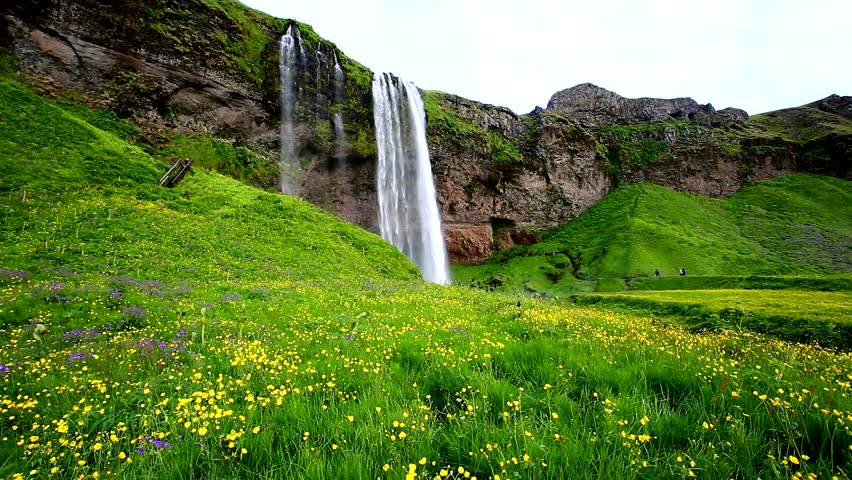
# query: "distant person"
x,y
657,273
682,272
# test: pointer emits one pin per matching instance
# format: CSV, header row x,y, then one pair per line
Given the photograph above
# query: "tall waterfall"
x,y
408,210
287,64
337,117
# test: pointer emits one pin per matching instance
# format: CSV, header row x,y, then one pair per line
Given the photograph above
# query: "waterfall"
x,y
337,117
408,210
287,65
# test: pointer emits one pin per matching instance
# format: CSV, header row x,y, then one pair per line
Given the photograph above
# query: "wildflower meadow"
x,y
214,330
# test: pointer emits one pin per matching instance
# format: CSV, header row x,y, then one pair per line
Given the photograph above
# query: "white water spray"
x,y
287,63
408,210
337,117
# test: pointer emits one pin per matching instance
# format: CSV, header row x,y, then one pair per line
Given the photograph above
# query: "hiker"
x,y
657,273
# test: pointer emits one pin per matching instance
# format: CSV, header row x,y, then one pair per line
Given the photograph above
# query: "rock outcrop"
x,y
498,172
589,104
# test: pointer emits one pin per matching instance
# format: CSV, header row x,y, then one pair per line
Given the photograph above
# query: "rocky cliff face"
x,y
210,68
498,174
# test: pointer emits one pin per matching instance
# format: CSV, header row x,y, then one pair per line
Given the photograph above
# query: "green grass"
x,y
229,159
794,225
64,174
217,331
793,315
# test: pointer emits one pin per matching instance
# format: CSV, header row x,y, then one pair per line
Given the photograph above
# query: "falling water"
x,y
287,64
337,117
408,210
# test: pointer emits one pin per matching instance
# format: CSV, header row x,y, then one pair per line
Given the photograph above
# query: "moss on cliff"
x,y
449,124
446,124
630,147
7,62
503,150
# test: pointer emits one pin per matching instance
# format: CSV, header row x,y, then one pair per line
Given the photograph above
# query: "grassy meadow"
x,y
216,331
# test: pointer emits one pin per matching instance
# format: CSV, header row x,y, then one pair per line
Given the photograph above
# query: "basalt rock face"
x,y
522,173
497,173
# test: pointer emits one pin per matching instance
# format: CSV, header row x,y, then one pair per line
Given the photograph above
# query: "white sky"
x,y
752,54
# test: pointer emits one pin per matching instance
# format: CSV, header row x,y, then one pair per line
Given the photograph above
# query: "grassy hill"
x,y
75,196
216,331
797,225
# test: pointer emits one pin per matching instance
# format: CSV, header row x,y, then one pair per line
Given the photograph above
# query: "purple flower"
x,y
13,273
231,297
115,294
3,368
76,357
140,451
135,311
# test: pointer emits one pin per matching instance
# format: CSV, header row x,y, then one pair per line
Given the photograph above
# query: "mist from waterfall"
x,y
408,209
287,65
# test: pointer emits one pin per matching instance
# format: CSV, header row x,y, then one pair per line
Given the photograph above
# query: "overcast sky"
x,y
751,54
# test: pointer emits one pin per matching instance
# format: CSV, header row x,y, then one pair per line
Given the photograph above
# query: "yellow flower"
x,y
243,451
202,431
794,460
422,461
554,415
350,418
255,429
122,455
386,467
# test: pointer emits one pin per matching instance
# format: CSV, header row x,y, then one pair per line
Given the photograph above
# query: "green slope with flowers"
x,y
216,331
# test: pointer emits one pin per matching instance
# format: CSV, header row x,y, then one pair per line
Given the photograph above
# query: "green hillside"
x,y
75,196
794,225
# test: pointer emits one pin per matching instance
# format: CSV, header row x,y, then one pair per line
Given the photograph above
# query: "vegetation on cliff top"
x,y
444,125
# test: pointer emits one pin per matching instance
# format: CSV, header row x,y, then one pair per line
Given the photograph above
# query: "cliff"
x,y
190,71
500,176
